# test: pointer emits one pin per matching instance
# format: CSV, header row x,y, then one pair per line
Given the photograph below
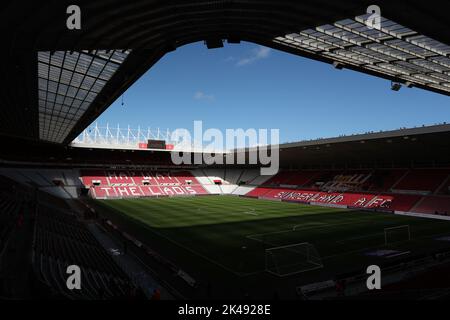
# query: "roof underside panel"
x,y
57,81
392,50
68,82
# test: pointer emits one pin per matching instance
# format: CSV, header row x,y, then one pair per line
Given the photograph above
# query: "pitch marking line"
x,y
192,251
377,246
370,235
343,241
236,273
256,236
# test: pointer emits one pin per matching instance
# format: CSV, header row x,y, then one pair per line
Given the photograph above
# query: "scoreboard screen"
x,y
156,144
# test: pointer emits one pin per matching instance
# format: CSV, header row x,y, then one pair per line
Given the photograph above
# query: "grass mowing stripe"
x,y
218,227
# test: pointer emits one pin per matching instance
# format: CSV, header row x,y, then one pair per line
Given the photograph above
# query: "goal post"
x,y
397,234
291,259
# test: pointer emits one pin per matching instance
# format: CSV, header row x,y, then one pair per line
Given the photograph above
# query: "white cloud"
x,y
256,54
200,95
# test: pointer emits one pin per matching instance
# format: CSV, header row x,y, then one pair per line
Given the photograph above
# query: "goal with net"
x,y
397,234
291,259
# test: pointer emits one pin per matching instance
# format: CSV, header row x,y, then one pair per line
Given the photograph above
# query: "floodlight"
x,y
395,86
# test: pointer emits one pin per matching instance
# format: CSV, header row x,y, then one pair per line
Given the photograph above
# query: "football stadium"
x,y
111,212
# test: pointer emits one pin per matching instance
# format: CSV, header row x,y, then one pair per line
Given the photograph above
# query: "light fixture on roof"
x,y
395,86
409,84
338,65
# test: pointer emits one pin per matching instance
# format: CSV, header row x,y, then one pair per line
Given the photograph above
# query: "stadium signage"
x,y
142,191
347,199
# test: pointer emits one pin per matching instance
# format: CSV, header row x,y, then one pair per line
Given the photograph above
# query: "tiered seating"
x,y
248,176
90,177
399,202
184,177
215,174
258,192
8,217
320,178
402,202
119,178
280,178
232,176
165,178
348,181
60,241
384,180
434,205
301,178
423,180
293,178
120,184
445,187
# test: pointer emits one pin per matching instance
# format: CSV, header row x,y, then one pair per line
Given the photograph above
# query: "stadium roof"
x,y
57,81
68,83
415,147
427,145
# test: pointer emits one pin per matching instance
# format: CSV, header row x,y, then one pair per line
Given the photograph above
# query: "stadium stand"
x,y
232,176
384,180
242,190
59,81
387,189
439,205
93,177
402,202
248,176
397,202
9,213
206,181
260,192
59,241
395,190
291,178
445,187
279,179
422,180
120,184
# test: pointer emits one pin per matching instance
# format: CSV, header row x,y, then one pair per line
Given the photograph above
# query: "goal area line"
x,y
291,259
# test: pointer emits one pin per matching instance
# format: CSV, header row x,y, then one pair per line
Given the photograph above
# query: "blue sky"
x,y
248,86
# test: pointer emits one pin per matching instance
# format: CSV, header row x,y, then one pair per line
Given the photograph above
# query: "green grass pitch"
x,y
223,239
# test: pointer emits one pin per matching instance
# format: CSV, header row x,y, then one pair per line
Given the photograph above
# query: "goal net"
x,y
292,259
396,234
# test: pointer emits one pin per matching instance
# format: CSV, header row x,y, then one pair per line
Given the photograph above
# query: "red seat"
x,y
423,180
434,204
